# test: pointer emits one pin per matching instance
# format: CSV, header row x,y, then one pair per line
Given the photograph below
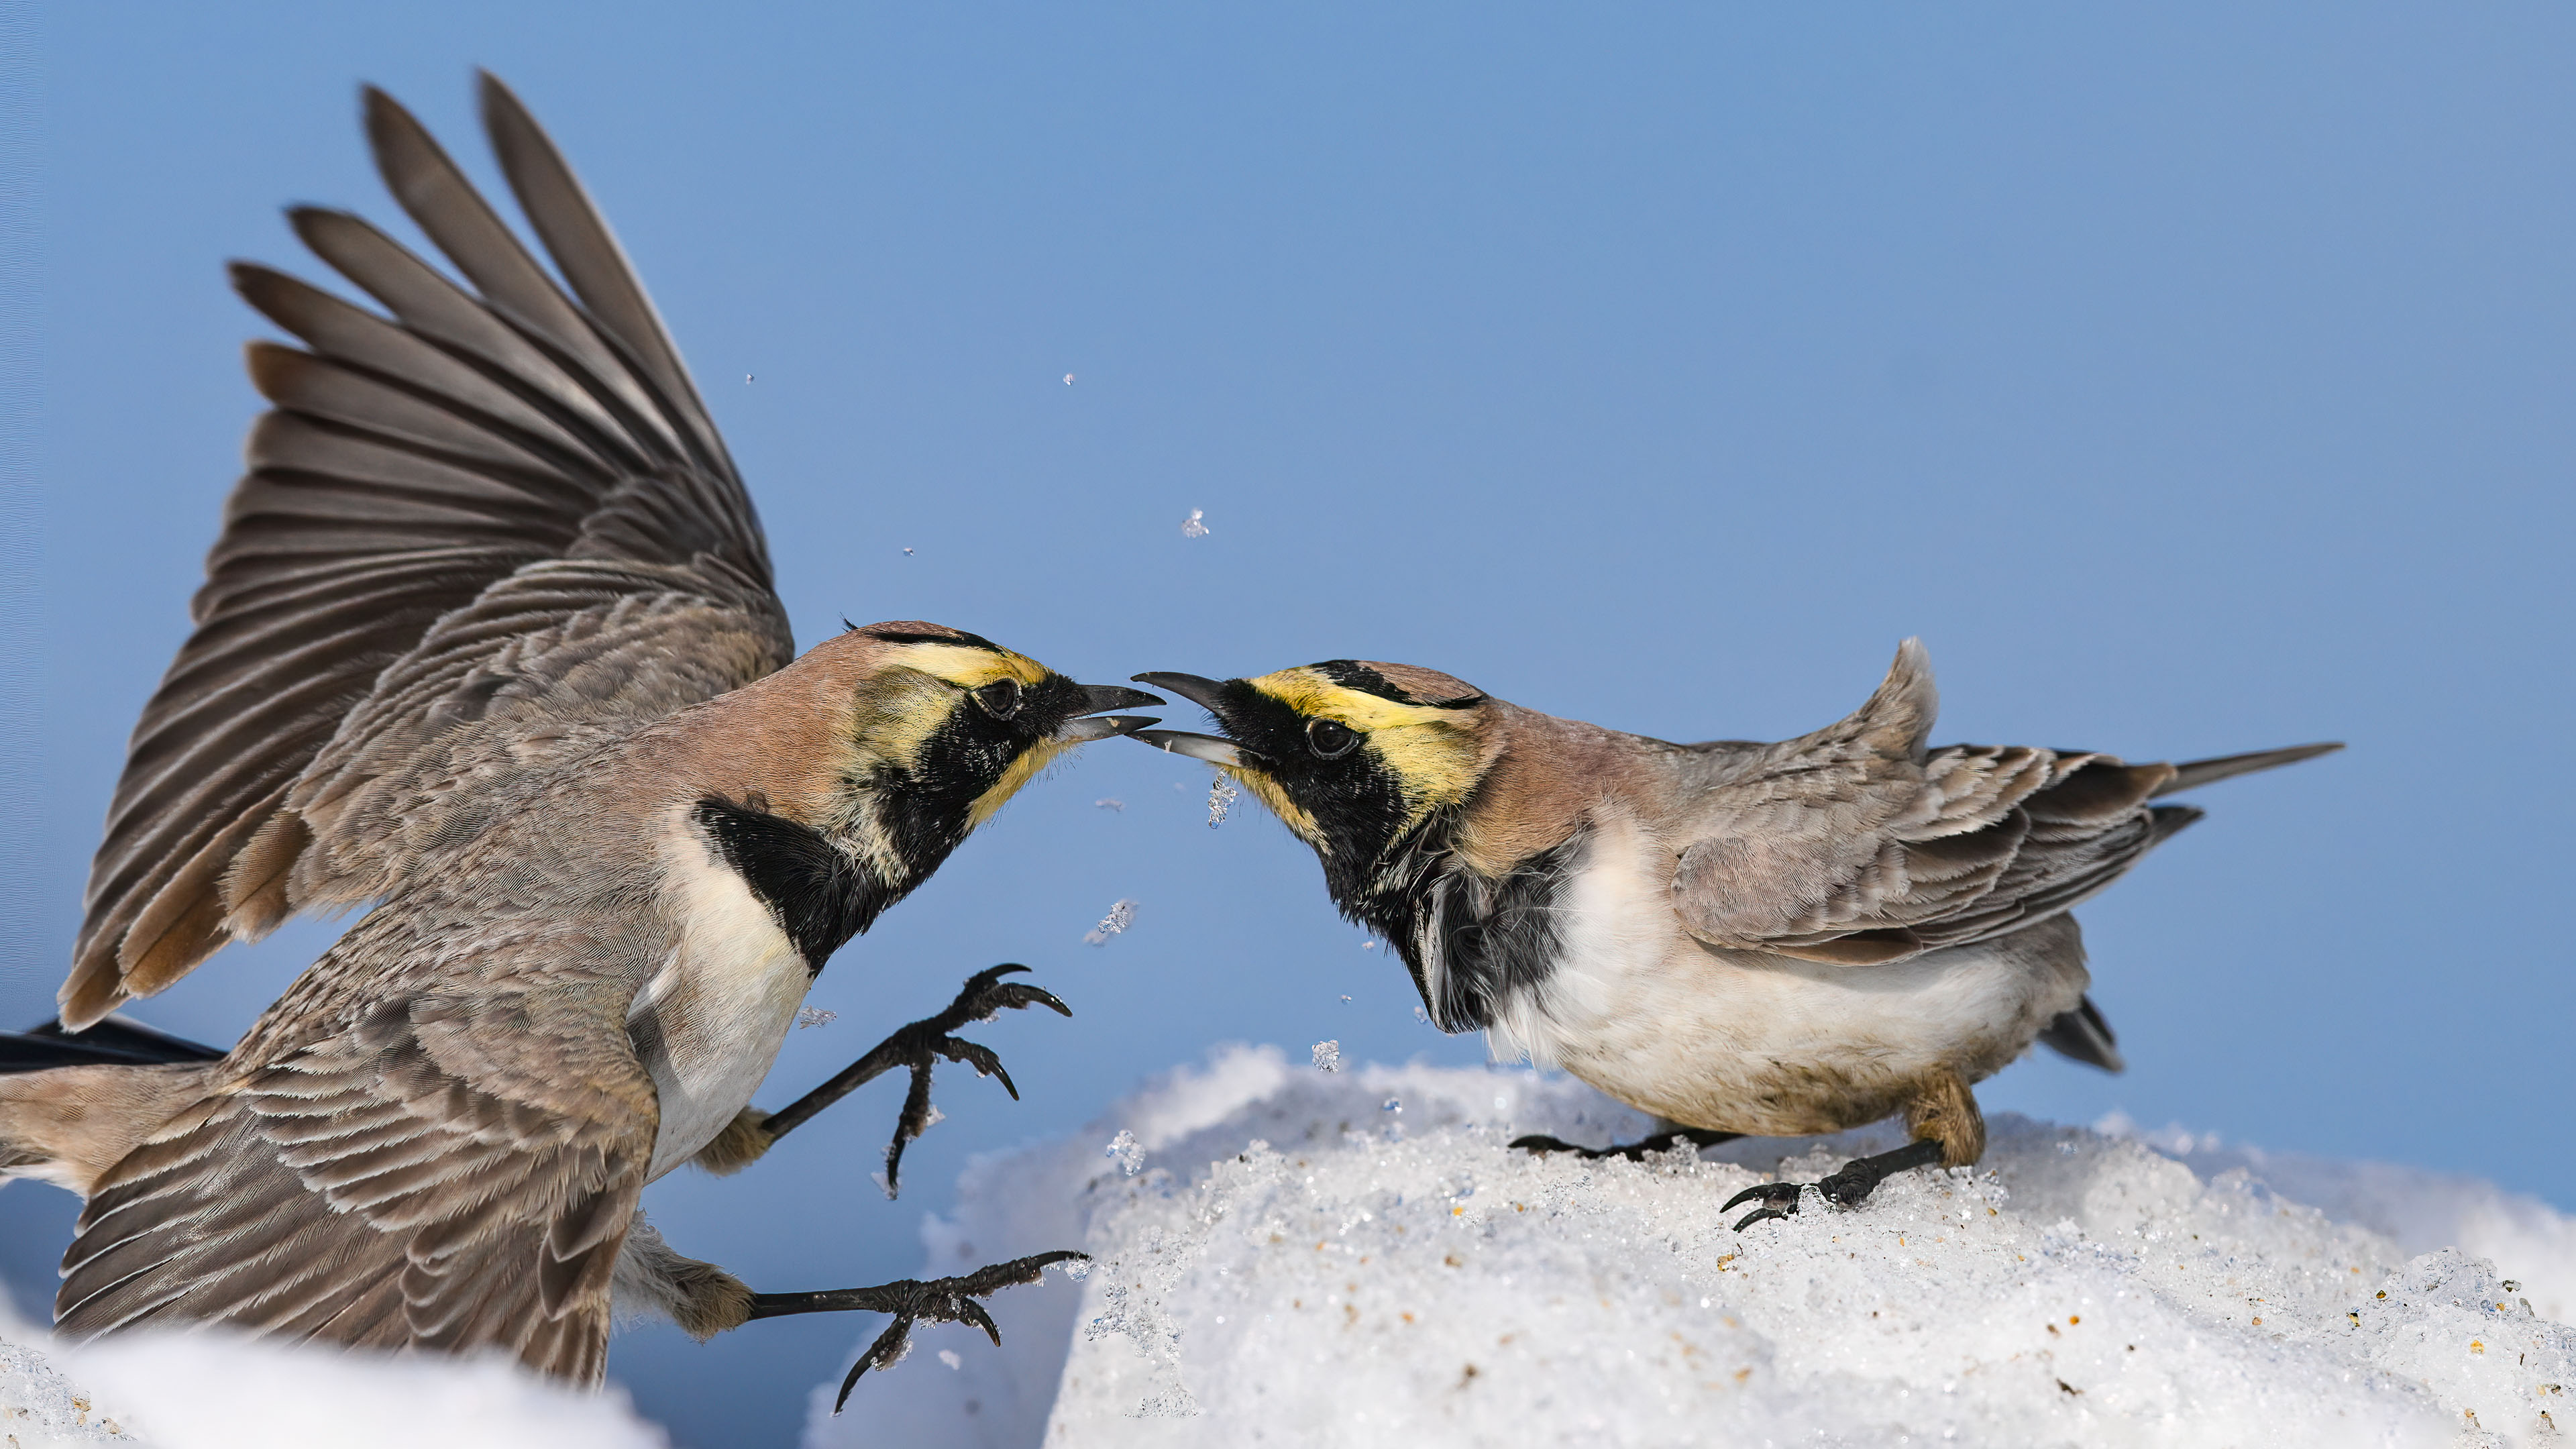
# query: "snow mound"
x,y
1359,1259
205,1391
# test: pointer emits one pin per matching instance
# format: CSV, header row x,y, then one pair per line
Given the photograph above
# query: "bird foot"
x,y
1847,1188
918,1047
911,1300
1695,1137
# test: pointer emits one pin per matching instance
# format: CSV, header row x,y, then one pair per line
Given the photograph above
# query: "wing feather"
x,y
476,1201
1857,845
494,516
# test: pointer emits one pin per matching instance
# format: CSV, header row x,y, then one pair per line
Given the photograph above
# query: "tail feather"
x,y
117,1041
2083,1035
2196,773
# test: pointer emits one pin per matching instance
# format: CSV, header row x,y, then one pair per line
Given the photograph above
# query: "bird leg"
x,y
1942,1118
1858,1178
917,1046
941,1300
1673,1136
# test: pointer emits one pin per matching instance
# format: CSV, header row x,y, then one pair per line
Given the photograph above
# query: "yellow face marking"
x,y
1428,749
1026,767
901,708
969,668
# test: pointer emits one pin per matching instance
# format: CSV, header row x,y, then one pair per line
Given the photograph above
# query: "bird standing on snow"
x,y
1741,938
489,639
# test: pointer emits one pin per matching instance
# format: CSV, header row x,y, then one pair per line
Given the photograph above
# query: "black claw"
x,y
917,1046
1847,1188
1749,1219
1773,1193
941,1300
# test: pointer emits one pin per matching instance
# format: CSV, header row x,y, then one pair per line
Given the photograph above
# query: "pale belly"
x,y
711,1021
1741,1041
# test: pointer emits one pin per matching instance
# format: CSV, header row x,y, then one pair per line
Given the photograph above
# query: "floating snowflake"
x,y
1120,917
815,1016
1328,1054
949,1357
1106,803
1221,794
1068,379
1129,1152
1195,525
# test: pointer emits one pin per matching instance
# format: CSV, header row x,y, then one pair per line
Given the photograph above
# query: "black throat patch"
x,y
818,895
1470,940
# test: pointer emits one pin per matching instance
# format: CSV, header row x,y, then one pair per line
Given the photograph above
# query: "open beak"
x,y
1200,747
1092,726
1204,693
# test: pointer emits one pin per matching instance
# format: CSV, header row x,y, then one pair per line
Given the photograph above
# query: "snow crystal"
x,y
1328,1054
1297,1277
949,1357
1120,917
1194,526
1221,796
212,1391
1068,379
1107,803
1129,1153
1369,945
815,1016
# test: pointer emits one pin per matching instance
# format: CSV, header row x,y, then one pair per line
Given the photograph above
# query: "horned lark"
x,y
1740,938
489,640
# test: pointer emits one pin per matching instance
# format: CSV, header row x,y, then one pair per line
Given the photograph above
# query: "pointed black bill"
x,y
1197,689
1200,747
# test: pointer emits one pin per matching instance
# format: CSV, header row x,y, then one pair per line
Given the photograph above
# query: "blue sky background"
x,y
2191,378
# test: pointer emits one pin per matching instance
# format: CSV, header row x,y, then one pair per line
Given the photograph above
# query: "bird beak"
x,y
1205,693
1082,731
1201,747
1197,689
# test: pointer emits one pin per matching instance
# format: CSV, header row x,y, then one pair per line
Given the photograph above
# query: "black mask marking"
x,y
926,808
818,895
1355,800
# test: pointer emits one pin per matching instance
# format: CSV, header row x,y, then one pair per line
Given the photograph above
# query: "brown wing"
x,y
488,522
1856,844
445,1173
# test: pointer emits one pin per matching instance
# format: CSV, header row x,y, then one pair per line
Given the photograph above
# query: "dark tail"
x,y
118,1041
2196,773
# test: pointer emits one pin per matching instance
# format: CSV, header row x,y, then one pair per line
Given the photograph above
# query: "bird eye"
x,y
1000,699
1329,740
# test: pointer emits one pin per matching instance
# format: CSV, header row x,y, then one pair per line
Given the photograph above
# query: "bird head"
x,y
940,728
1353,756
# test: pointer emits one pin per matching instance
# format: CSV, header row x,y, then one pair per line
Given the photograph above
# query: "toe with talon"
x,y
918,1047
911,1300
1778,1199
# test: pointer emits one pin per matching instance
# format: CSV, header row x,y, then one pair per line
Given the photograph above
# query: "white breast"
x,y
1750,1041
1614,926
710,1022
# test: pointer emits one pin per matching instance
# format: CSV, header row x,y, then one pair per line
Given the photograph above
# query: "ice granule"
x,y
1194,526
1129,1153
2075,1288
815,1016
1221,795
1109,803
1120,917
1328,1054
